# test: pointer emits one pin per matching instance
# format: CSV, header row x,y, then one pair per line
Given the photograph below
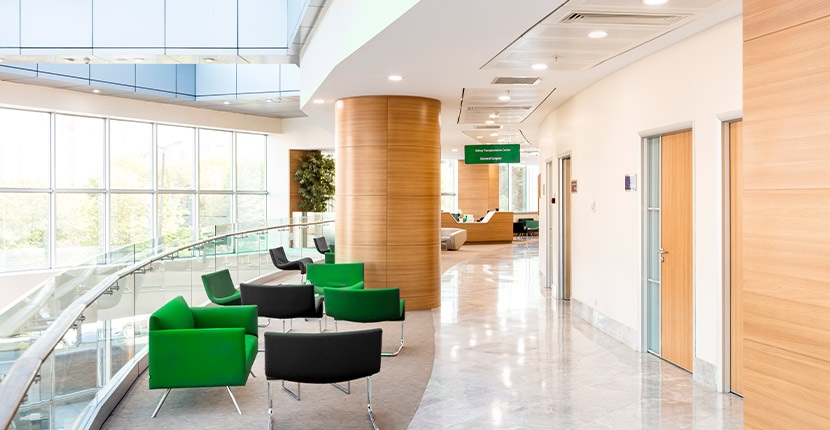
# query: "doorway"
x,y
549,197
565,227
734,137
669,250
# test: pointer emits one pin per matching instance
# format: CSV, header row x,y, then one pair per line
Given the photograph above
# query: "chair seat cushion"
x,y
319,289
172,316
251,346
233,299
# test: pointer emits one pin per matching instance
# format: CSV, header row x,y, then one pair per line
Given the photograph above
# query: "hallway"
x,y
508,356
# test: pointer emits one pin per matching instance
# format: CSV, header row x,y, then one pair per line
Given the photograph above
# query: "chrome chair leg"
x,y
347,390
395,354
234,400
252,374
161,402
266,324
270,408
291,393
290,328
369,404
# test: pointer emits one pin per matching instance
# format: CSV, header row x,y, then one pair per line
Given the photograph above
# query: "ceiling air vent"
x,y
488,127
515,80
501,108
620,18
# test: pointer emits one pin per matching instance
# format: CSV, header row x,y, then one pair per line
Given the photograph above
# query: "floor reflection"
x,y
509,356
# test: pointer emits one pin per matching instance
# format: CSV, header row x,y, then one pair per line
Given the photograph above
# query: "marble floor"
x,y
507,356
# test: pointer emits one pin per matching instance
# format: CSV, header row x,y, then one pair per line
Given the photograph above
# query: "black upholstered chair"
x,y
284,302
520,229
282,262
325,358
322,245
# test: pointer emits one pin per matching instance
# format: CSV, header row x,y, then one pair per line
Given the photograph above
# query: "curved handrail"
x,y
14,387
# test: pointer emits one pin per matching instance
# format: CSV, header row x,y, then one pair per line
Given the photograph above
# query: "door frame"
x,y
560,254
644,136
726,299
547,196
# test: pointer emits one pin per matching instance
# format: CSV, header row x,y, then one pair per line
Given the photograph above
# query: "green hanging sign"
x,y
491,154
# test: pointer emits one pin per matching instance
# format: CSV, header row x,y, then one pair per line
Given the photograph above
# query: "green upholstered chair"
x,y
340,275
532,226
201,347
219,288
366,306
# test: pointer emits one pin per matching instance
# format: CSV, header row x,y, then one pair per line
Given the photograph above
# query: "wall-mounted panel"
x,y
264,24
186,81
201,24
113,75
69,24
257,78
215,80
156,78
9,26
65,72
128,24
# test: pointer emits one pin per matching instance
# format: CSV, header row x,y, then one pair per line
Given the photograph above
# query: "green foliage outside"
x,y
316,178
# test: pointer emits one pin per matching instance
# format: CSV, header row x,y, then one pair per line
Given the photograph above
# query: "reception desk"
x,y
498,229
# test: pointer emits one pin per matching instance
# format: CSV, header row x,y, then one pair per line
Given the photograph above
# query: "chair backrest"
x,y
518,227
218,285
322,358
522,220
532,224
174,315
278,256
321,244
334,275
382,304
279,301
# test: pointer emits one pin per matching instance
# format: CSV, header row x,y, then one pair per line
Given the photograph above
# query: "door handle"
x,y
662,251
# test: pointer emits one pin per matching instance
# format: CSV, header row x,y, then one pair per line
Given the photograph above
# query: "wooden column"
x,y
785,215
387,203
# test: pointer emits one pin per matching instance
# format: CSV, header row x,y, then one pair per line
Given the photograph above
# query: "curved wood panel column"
x,y
387,201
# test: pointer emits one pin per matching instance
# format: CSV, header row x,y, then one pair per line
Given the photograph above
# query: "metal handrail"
x,y
14,387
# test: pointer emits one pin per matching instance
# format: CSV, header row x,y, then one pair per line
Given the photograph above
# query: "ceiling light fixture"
x,y
395,77
69,60
494,115
269,101
2,59
539,66
489,121
494,134
138,60
226,103
318,101
599,34
454,150
505,97
209,60
96,91
479,137
654,2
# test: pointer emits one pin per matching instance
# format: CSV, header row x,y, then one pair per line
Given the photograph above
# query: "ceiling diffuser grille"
x,y
500,108
620,18
515,80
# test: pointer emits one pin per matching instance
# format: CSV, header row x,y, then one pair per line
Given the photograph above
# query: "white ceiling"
x,y
452,51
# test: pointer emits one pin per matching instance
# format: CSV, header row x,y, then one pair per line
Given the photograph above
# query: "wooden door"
x,y
566,225
676,336
736,327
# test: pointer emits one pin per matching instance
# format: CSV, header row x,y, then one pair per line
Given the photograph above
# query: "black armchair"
x,y
322,245
282,262
283,302
520,229
326,358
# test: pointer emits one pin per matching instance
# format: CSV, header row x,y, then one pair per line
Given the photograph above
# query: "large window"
x,y
73,187
449,185
518,187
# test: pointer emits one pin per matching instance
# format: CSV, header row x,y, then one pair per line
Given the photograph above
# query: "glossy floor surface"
x,y
507,356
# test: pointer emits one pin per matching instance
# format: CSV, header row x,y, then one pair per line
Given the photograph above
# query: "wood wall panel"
x,y
736,320
474,188
294,157
493,187
388,193
763,17
498,230
786,189
784,389
789,134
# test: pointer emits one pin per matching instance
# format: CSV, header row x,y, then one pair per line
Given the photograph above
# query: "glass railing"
x,y
67,345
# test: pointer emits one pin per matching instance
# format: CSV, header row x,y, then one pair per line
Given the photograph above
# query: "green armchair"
x,y
366,306
219,288
340,275
201,347
532,226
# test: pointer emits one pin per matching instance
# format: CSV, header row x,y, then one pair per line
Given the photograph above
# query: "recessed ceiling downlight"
x,y
96,91
494,134
318,101
539,66
654,2
599,34
395,77
226,103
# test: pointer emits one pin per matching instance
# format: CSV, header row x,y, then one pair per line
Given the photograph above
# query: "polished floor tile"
x,y
508,356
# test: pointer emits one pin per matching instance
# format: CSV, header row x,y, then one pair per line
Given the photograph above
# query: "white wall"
x,y
297,133
690,82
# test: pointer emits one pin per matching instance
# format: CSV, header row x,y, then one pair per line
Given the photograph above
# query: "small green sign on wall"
x,y
491,154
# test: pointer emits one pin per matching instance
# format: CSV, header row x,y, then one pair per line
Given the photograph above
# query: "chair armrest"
x,y
226,317
207,357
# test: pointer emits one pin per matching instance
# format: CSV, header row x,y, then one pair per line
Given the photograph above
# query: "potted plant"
x,y
316,177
